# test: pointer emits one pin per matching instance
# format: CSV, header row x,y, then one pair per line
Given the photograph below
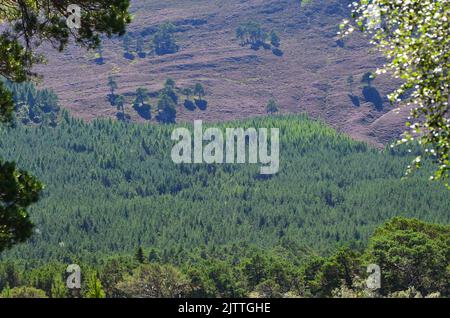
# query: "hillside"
x,y
112,186
310,76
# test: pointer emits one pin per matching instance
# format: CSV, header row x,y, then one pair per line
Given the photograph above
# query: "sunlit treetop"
x,y
414,36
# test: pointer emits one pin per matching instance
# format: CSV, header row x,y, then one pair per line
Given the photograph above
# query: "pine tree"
x,y
275,39
153,256
164,40
199,90
187,92
141,98
126,44
6,292
94,287
58,288
139,255
367,78
166,109
169,90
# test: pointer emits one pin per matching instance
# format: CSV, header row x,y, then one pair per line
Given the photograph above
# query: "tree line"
x,y
412,257
252,33
32,105
167,100
110,186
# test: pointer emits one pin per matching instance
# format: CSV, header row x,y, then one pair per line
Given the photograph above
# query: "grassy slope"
x,y
311,76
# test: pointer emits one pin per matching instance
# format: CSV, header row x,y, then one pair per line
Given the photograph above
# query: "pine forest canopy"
x,y
112,185
27,24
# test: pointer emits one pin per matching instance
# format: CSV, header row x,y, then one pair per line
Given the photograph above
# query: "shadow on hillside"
x,y
355,100
128,56
372,95
201,104
111,98
123,117
144,112
189,105
277,52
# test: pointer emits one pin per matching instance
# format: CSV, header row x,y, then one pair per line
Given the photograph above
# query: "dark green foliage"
x,y
33,106
139,255
16,61
18,190
167,102
111,184
153,256
251,33
112,84
155,281
23,292
141,104
35,22
199,102
10,275
94,288
323,275
412,253
164,40
6,104
166,108
367,78
112,271
187,92
199,90
120,105
169,90
274,39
